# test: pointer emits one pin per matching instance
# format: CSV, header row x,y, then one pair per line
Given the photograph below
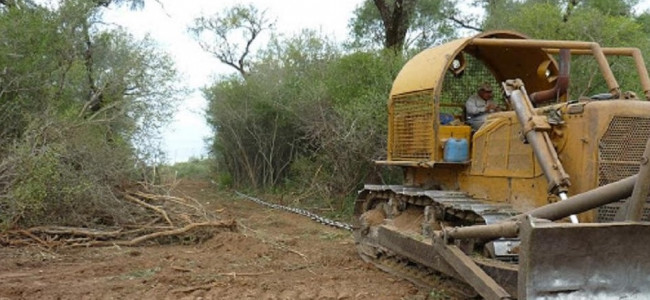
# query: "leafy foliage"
x,y
73,109
401,25
193,169
306,117
229,35
80,111
610,23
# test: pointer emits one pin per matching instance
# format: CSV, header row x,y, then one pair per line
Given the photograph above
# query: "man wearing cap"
x,y
479,105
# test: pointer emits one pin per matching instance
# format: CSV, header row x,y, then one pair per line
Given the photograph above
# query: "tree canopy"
x,y
229,35
610,23
400,24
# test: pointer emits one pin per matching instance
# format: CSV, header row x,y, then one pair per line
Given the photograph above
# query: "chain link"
x,y
299,211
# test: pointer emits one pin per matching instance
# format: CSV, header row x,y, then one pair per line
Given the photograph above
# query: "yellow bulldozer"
x,y
547,199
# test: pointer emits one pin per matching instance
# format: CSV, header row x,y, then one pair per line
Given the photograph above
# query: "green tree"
x,y
78,110
256,131
134,4
400,24
229,35
610,23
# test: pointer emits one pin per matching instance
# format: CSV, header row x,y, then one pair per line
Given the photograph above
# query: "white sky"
x,y
167,24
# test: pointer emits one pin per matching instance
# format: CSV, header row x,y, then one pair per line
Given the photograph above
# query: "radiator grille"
x,y
412,126
619,153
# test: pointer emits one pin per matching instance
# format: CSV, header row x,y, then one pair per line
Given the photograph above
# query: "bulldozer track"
x,y
420,275
406,251
451,203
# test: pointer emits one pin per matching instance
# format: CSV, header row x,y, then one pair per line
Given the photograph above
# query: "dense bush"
x,y
74,101
307,116
193,169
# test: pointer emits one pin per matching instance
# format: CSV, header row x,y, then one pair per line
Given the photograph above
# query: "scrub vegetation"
x,y
81,105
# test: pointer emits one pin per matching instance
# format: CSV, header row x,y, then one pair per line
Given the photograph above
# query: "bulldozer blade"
x,y
584,261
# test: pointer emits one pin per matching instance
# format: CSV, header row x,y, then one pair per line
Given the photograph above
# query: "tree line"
x,y
308,115
82,103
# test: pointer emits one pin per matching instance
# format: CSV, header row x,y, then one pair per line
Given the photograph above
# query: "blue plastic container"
x,y
456,150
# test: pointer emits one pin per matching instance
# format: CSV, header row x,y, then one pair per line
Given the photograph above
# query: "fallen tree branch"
x,y
74,231
231,225
152,207
35,238
176,200
172,216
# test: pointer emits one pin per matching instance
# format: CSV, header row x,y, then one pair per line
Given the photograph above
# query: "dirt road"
x,y
273,255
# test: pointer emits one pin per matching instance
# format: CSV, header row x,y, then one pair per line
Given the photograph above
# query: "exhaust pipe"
x,y
562,83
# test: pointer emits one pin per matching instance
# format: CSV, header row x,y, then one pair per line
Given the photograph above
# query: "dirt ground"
x,y
273,255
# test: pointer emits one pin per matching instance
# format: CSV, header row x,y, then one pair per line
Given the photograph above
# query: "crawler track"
x,y
396,223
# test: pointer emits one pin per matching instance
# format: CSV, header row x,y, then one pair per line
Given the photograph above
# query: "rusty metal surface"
x,y
421,252
641,188
427,69
561,84
483,283
390,239
584,261
504,273
595,49
503,229
621,147
453,202
635,53
579,203
588,200
411,123
558,179
620,150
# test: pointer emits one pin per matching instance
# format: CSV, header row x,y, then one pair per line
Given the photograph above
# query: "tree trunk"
x,y
396,20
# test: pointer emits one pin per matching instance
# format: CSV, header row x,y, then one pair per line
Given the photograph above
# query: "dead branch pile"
x,y
161,219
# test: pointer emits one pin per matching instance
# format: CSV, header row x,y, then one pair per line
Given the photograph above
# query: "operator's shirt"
x,y
476,109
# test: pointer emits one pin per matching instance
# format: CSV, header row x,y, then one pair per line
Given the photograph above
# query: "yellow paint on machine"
x,y
502,166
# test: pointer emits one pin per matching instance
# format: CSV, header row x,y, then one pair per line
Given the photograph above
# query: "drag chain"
x,y
299,211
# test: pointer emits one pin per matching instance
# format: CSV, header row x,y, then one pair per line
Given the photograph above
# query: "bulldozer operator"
x,y
479,105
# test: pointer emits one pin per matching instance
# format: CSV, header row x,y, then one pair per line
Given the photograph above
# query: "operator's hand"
x,y
492,107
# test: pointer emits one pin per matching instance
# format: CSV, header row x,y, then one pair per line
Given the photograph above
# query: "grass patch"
x,y
194,169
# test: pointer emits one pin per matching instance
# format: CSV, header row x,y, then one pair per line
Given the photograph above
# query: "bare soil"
x,y
272,255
